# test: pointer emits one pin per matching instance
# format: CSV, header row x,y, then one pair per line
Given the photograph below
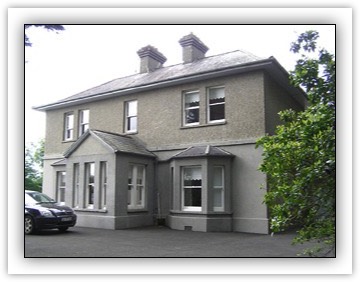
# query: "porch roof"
x,y
202,151
116,142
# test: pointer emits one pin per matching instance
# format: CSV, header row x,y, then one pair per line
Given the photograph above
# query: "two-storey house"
x,y
174,144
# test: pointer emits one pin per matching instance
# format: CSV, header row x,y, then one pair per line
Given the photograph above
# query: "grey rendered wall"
x,y
249,212
160,115
276,100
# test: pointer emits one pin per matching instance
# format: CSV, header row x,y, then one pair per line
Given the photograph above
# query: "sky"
x,y
60,64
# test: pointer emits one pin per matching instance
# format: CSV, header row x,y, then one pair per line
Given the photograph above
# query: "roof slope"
x,y
208,64
116,142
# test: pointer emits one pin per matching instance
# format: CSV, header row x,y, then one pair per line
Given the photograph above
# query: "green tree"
x,y
33,166
299,159
51,27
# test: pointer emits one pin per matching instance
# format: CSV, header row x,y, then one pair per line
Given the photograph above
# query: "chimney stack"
x,y
193,48
150,59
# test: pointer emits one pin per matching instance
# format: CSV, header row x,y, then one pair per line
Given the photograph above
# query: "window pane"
x,y
140,175
132,108
130,175
131,123
129,194
62,195
218,176
192,176
62,179
84,116
192,197
69,121
191,108
218,197
192,100
76,185
192,115
217,112
91,195
139,197
216,95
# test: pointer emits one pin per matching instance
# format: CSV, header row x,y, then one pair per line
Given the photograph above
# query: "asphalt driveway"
x,y
157,241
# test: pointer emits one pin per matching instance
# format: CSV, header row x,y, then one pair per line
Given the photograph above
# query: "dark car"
x,y
42,212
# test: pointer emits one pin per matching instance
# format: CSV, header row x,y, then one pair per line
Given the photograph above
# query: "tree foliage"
x,y
33,166
50,27
299,159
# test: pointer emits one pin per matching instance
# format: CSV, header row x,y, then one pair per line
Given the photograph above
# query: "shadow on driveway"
x,y
158,241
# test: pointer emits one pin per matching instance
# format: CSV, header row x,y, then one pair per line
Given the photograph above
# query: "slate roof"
x,y
205,65
202,151
116,142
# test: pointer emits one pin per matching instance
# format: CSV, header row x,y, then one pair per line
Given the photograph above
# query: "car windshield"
x,y
37,198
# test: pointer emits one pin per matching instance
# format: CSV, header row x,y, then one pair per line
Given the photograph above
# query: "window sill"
x,y
219,213
130,133
68,141
204,125
90,210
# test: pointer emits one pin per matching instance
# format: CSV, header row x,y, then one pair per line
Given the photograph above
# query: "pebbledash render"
x,y
173,145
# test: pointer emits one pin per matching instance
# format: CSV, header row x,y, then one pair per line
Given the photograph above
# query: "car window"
x,y
36,197
29,200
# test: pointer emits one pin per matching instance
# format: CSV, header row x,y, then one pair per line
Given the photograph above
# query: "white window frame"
x,y
60,186
129,117
84,121
215,104
68,126
221,188
89,186
183,187
135,189
185,108
103,184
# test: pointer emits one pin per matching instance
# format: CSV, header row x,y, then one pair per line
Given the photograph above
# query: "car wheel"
x,y
29,225
63,229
